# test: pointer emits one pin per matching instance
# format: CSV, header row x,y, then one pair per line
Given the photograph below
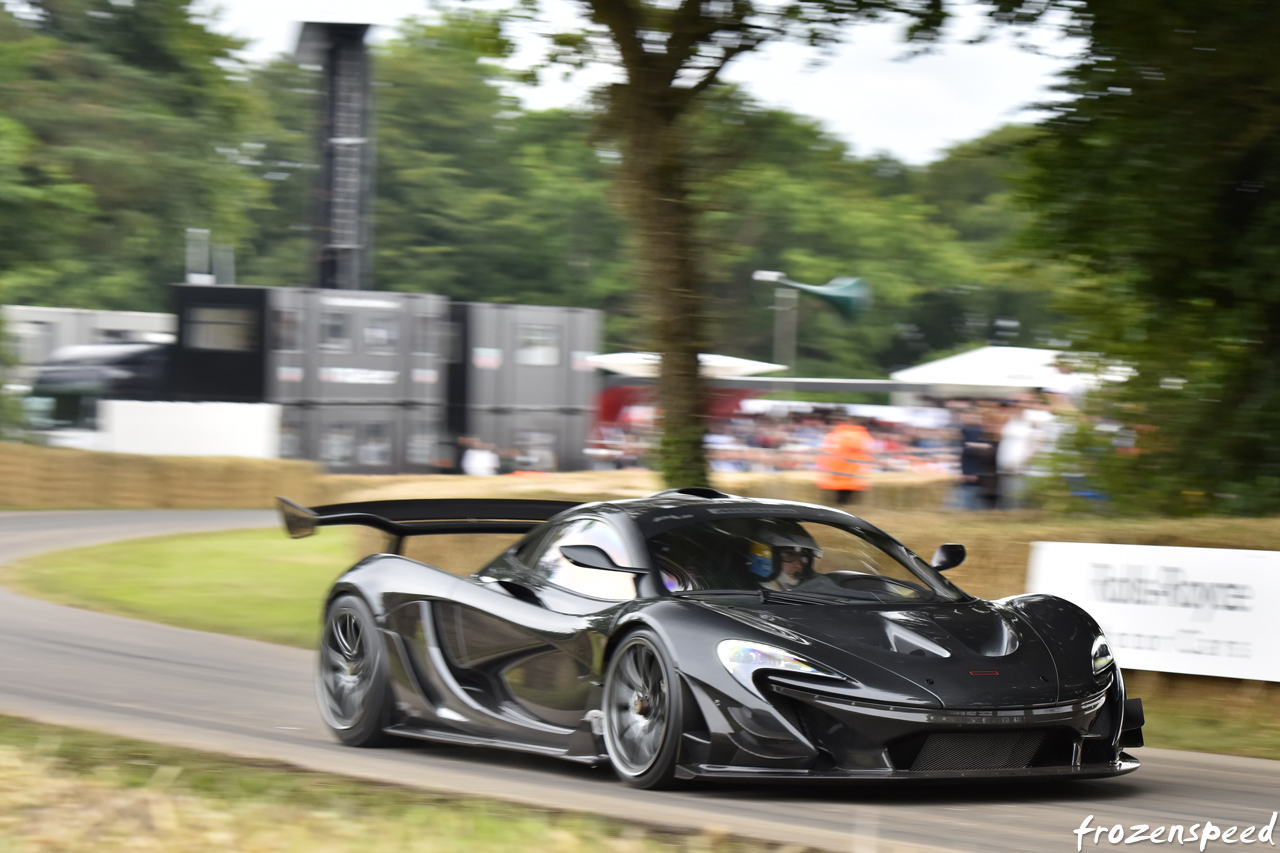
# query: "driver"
x,y
783,555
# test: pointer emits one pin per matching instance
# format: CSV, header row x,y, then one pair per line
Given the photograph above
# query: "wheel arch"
x,y
628,625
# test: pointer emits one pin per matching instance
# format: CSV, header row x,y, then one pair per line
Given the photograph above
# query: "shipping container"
x,y
521,382
385,382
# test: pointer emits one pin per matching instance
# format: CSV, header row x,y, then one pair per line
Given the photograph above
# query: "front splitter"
x,y
1125,764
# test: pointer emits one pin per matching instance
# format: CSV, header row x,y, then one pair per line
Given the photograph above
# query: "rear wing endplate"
x,y
422,517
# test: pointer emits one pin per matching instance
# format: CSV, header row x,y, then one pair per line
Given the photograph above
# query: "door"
x,y
531,635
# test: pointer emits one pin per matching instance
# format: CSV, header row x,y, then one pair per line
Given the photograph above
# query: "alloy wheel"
x,y
637,708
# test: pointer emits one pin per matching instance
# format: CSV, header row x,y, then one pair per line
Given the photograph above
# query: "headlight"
x,y
1101,655
743,657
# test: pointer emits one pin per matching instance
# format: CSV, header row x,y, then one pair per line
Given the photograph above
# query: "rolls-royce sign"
x,y
1202,611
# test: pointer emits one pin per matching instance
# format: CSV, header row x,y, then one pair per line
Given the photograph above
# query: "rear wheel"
x,y
352,686
643,707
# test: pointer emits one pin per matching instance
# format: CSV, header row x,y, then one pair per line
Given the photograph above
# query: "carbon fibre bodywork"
x,y
960,689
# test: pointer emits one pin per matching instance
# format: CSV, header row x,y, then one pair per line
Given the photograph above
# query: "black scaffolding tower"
x,y
345,141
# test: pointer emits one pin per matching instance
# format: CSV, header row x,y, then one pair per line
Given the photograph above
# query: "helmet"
x,y
771,539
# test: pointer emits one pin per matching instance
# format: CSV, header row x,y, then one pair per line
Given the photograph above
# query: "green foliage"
x,y
277,249
111,117
970,187
1155,181
477,200
777,192
10,410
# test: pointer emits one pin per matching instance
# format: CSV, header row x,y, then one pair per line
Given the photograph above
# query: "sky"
x,y
864,92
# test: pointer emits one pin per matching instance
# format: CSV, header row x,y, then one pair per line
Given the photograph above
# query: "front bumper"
x,y
816,729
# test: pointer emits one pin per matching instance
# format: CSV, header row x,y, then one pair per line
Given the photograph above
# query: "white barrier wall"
x,y
1200,611
250,430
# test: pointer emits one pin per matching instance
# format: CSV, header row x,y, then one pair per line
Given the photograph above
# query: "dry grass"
x,y
52,478
890,491
78,792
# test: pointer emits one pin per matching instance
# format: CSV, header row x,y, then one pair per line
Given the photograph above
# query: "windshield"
x,y
788,560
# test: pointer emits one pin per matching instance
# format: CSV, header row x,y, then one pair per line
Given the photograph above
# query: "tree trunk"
x,y
657,200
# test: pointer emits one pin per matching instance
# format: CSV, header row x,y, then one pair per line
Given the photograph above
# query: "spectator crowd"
x,y
992,447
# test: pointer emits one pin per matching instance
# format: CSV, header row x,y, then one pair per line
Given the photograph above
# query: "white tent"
x,y
647,364
929,417
988,371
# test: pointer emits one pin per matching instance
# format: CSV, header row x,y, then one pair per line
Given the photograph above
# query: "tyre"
x,y
643,710
352,685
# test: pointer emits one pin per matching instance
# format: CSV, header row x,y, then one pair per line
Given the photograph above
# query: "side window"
x,y
593,583
606,538
528,551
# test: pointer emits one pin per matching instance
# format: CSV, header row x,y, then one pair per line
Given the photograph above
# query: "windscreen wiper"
x,y
791,596
780,596
699,593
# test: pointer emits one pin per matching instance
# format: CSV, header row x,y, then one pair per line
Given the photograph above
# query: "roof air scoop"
x,y
697,492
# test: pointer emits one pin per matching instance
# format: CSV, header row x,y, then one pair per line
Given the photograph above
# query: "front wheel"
x,y
352,686
643,707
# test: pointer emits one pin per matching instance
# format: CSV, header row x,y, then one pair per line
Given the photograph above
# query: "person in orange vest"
x,y
845,460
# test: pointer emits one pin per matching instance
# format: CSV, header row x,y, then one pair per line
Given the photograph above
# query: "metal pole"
x,y
784,327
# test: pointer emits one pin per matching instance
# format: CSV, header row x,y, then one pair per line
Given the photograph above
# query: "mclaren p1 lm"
x,y
697,635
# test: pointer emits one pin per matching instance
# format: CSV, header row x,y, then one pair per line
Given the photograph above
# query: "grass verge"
x,y
251,583
80,792
1202,727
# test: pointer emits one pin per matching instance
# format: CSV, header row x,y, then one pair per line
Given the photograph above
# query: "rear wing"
x,y
422,517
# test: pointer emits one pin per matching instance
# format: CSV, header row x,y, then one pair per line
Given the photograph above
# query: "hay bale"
x,y
57,478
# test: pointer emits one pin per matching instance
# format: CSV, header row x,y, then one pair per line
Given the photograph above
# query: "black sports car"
x,y
696,635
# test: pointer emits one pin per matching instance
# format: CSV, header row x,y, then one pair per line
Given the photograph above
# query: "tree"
x,y
774,191
114,115
479,200
277,248
973,184
1156,180
669,54
10,408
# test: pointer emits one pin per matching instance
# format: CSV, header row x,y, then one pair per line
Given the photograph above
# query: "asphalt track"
x,y
187,688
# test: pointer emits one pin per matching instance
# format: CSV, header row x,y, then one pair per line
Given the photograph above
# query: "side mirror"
x,y
591,557
648,583
948,556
